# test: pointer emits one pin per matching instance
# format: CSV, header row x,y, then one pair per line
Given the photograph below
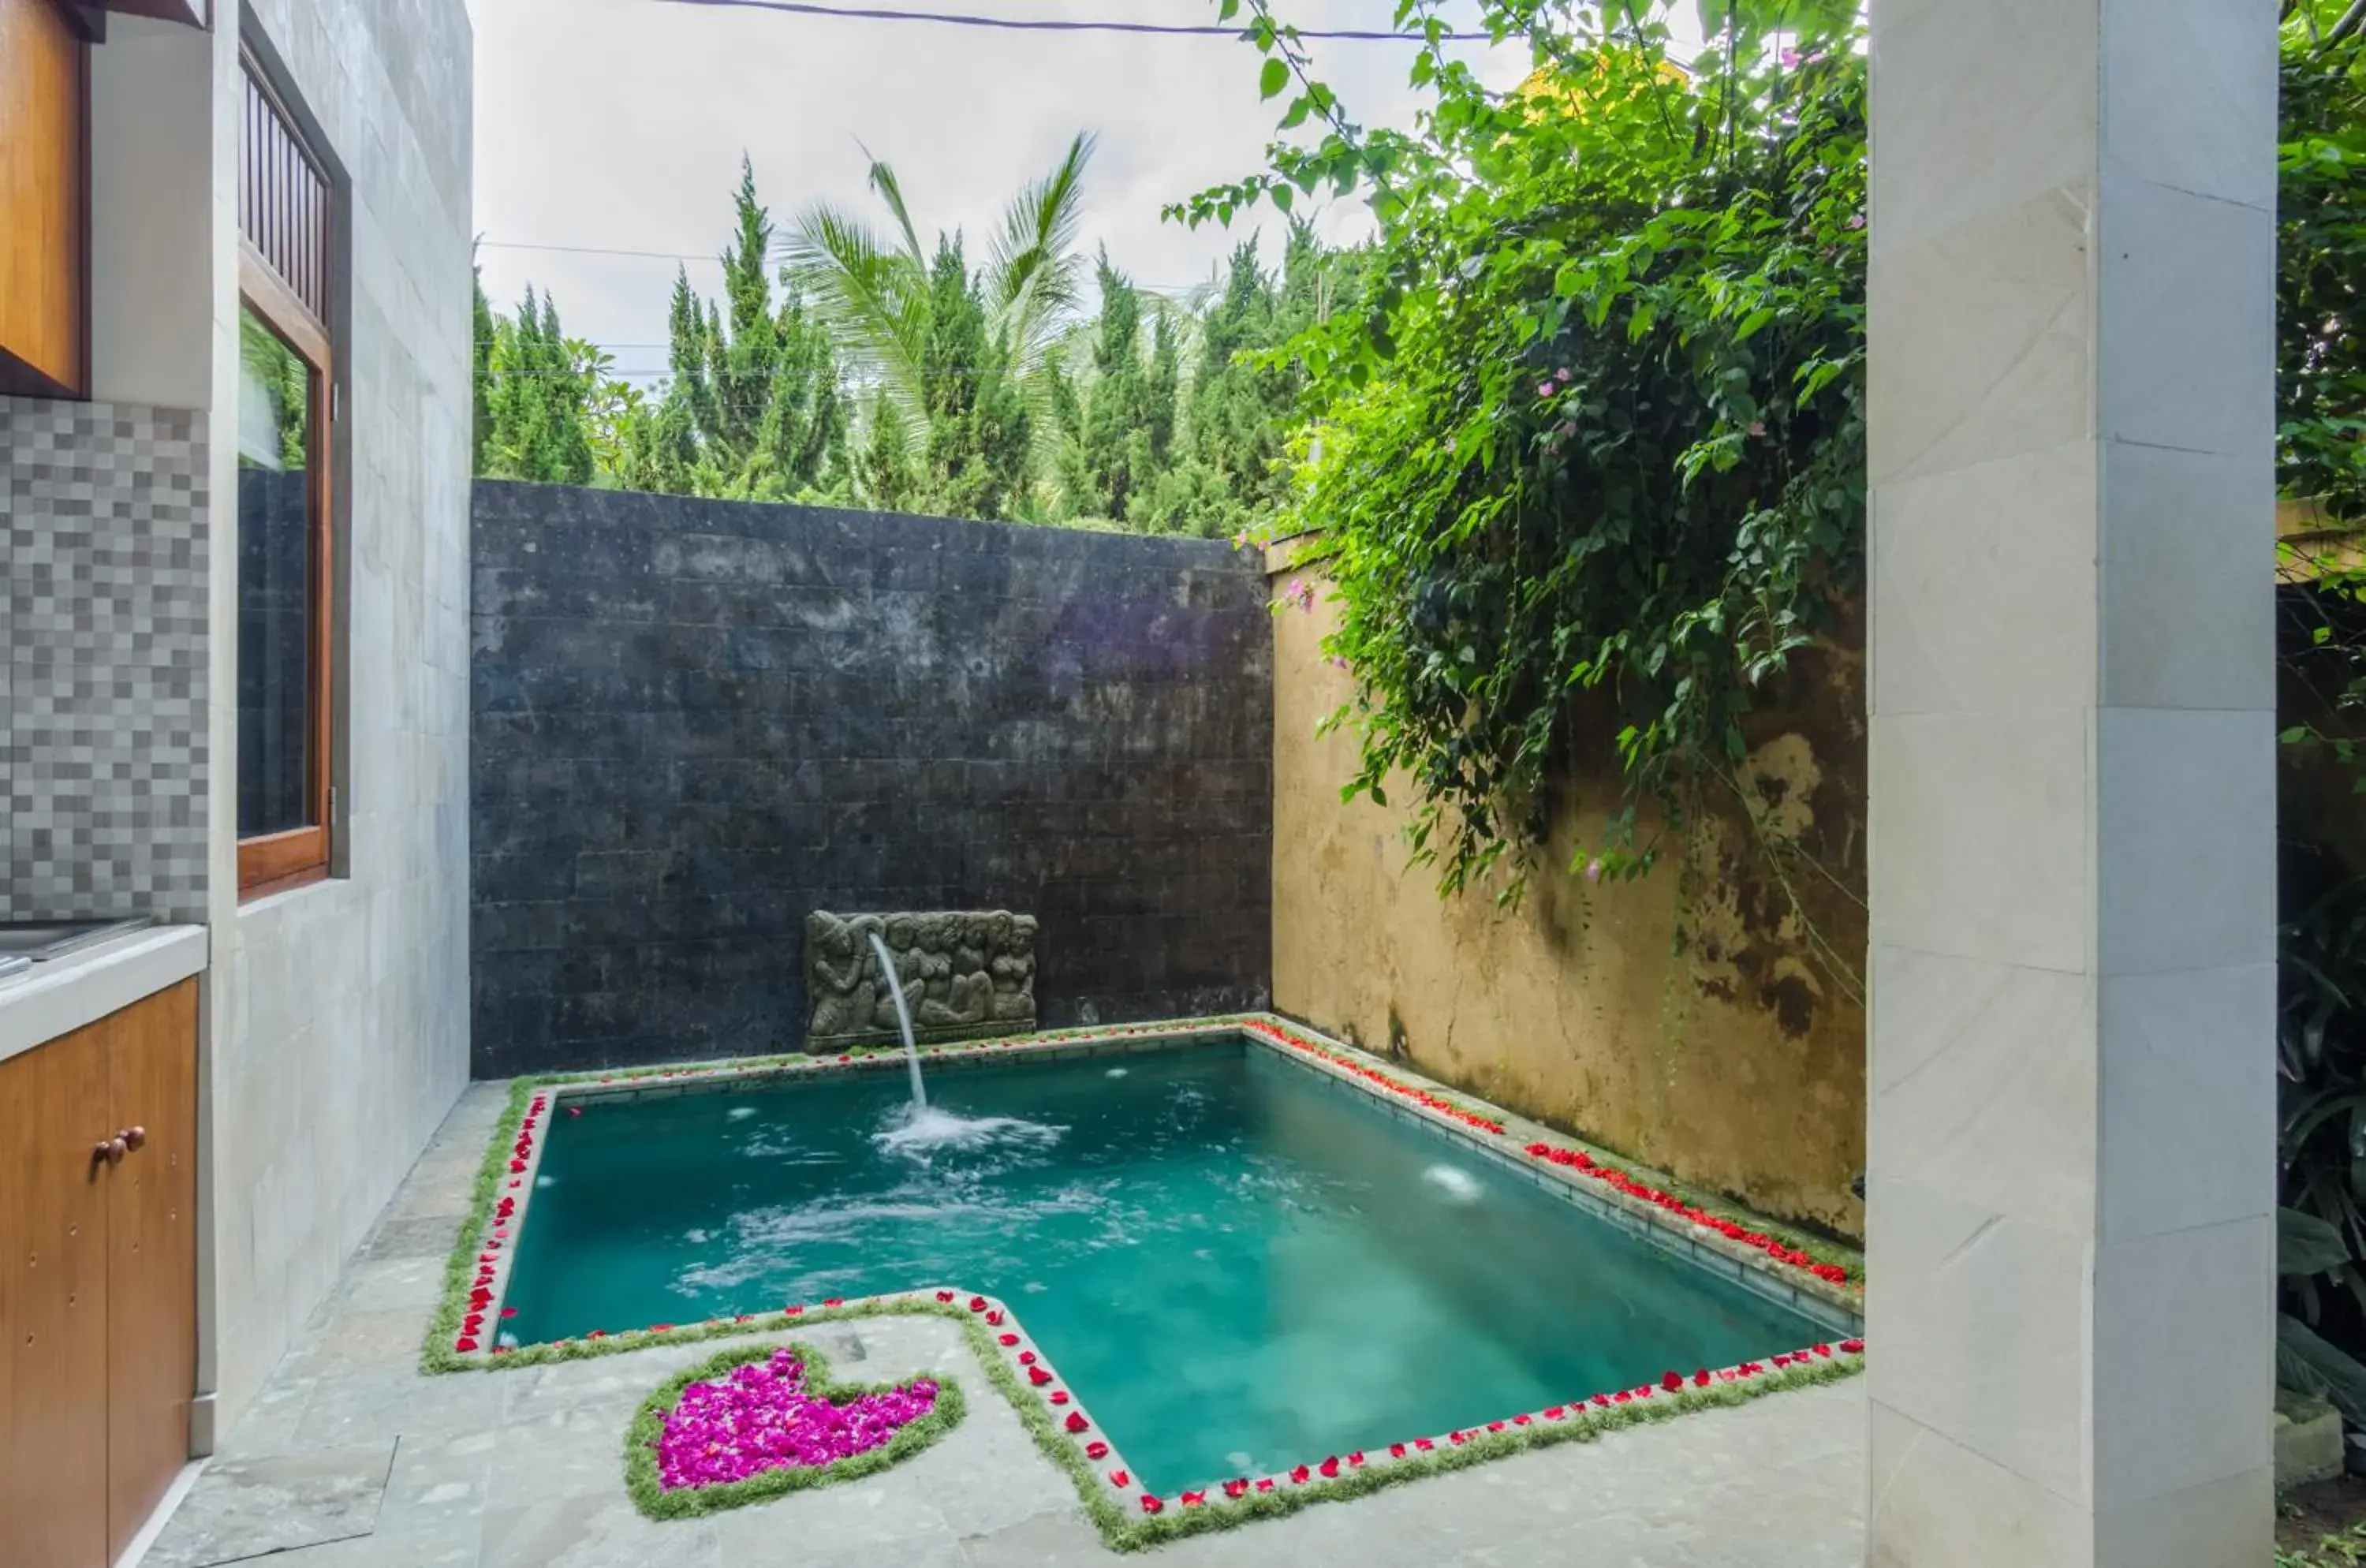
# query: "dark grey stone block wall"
x,y
694,721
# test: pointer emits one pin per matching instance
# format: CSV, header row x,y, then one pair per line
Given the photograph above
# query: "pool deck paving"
x,y
352,1458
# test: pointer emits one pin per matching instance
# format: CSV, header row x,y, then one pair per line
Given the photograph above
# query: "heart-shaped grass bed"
x,y
761,1420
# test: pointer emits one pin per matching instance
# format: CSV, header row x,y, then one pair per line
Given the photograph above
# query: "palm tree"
x,y
873,290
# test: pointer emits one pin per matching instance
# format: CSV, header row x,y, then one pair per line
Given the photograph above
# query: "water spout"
x,y
903,1021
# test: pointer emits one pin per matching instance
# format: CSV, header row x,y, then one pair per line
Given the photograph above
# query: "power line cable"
x,y
597,251
1050,25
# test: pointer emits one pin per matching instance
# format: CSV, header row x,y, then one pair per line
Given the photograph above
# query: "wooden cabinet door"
x,y
152,1276
44,181
53,1307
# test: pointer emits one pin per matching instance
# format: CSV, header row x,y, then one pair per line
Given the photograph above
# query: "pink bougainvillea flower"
x,y
1355,1457
1076,1422
1236,1488
1193,1499
1119,1478
1008,1340
1265,1483
597,1333
1151,1505
1622,1397
1299,1474
464,1344
1824,1350
1554,1412
1026,1358
509,1312
977,1304
1457,1438
1059,1396
1495,1425
1519,1421
945,1295
1396,1450
1672,1381
1545,388
1853,1347
661,1328
833,1300
792,1311
994,1317
1038,1376
1700,1378
1097,1450
1424,1444
1329,1467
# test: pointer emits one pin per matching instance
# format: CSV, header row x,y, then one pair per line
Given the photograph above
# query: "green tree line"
x,y
854,366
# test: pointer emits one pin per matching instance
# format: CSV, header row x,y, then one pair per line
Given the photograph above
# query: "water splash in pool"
x,y
926,1130
1455,1186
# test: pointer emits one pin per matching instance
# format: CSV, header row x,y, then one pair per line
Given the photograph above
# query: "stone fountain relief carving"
x,y
965,973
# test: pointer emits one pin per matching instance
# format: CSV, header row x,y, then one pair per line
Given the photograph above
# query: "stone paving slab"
x,y
525,1469
250,1507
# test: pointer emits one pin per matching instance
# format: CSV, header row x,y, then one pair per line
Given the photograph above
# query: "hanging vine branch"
x,y
1595,444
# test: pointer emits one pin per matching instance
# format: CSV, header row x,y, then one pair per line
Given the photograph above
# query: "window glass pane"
x,y
274,583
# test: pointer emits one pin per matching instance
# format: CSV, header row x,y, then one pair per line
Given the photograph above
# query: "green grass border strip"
x,y
647,1426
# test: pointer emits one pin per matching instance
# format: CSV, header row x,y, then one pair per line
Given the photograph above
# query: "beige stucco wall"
x,y
1737,1063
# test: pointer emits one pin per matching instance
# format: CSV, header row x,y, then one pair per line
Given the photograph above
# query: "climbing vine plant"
x,y
1591,452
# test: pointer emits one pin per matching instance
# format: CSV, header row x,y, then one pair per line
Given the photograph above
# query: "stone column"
x,y
2071,1081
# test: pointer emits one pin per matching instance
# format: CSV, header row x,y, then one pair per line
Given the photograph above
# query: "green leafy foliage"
x,y
2321,279
1118,430
538,390
1589,458
755,407
2321,376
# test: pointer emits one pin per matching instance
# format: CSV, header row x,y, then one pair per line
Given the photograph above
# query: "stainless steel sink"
x,y
39,941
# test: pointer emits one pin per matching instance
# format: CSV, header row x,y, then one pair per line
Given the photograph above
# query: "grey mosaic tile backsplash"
x,y
103,514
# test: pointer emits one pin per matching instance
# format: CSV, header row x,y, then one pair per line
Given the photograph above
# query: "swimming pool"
x,y
1237,1262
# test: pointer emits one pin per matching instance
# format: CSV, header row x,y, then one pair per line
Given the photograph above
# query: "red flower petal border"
x,y
464,1334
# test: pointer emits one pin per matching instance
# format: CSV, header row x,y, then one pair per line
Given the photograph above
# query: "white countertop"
x,y
60,996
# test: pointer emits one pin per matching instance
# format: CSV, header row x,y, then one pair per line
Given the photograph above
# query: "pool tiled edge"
x,y
464,1332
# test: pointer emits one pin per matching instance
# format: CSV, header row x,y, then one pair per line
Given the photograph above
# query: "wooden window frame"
x,y
273,863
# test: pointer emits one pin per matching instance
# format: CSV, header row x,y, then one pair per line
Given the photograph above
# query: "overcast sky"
x,y
618,124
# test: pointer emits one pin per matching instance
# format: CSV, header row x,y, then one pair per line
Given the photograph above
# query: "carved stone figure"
x,y
965,972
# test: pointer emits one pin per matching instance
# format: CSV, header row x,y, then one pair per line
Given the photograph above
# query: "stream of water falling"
x,y
924,1131
903,1021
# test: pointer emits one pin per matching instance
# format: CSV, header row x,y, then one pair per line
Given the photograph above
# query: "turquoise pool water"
x,y
1236,1265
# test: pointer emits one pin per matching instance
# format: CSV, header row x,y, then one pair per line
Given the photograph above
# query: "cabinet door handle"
x,y
135,1138
112,1151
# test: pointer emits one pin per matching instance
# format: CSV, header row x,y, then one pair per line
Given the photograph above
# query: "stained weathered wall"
x,y
1737,1063
696,721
